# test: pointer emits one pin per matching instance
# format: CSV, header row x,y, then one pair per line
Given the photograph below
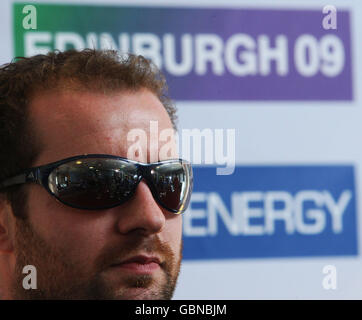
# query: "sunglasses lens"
x,y
93,183
173,183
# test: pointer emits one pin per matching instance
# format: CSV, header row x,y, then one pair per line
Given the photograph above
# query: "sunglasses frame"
x,y
40,175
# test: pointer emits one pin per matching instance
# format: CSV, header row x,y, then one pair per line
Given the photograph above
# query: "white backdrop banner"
x,y
285,78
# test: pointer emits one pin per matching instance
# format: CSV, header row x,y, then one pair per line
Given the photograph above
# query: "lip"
x,y
139,264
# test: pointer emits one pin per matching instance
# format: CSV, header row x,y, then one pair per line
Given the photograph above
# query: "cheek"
x,y
81,234
173,232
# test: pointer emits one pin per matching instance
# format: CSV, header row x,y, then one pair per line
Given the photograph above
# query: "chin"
x,y
138,294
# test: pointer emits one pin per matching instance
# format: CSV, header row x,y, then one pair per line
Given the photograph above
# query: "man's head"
x,y
61,105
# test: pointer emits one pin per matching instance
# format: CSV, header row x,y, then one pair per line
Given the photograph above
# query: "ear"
x,y
6,216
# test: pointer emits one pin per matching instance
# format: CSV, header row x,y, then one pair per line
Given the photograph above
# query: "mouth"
x,y
140,264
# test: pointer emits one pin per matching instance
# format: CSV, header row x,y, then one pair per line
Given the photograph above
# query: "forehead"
x,y
69,123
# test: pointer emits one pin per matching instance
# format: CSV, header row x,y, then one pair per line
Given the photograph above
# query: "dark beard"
x,y
60,279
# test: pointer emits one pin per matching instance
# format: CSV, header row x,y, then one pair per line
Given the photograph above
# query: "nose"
x,y
141,213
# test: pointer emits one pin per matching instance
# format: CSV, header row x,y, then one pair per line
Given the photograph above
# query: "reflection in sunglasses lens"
x,y
93,183
171,182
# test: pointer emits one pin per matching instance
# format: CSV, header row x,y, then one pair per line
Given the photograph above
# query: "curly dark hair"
x,y
96,70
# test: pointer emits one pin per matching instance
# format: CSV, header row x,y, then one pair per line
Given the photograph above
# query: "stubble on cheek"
x,y
57,276
60,278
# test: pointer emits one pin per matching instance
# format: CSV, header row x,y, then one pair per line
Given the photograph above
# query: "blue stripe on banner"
x,y
271,211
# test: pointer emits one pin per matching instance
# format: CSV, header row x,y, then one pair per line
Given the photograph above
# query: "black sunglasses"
x,y
100,181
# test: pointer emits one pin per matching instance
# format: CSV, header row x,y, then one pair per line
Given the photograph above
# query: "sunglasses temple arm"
x,y
30,176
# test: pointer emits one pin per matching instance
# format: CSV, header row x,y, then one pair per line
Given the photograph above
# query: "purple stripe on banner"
x,y
262,55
